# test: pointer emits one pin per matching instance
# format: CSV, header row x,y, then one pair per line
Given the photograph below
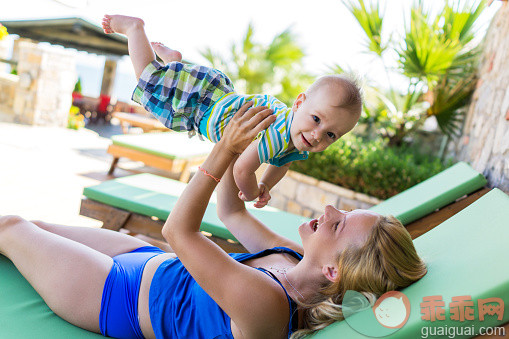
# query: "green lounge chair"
x,y
153,197
168,151
436,192
467,255
124,202
23,313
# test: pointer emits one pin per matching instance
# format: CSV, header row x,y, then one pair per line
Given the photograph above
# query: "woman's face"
x,y
325,237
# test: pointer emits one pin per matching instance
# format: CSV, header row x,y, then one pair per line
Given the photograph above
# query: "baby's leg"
x,y
166,54
137,42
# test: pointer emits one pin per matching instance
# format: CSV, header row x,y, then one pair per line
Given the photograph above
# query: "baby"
x,y
187,97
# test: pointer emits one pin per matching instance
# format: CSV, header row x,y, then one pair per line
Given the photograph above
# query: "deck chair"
x,y
23,313
173,152
466,255
436,199
140,202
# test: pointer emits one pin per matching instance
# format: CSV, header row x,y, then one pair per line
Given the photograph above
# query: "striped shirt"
x,y
273,145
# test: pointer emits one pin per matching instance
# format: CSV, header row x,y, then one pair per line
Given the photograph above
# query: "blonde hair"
x,y
386,261
351,97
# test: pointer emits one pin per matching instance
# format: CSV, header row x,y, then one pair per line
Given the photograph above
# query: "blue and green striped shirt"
x,y
273,145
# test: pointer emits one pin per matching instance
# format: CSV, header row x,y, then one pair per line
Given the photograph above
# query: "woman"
x,y
110,283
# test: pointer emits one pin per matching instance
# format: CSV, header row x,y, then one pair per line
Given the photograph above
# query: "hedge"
x,y
370,167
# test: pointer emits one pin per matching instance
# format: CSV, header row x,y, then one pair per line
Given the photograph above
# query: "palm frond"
x,y
459,22
426,54
284,51
370,20
450,99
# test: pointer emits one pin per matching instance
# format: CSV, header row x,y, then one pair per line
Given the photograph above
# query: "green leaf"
x,y
370,20
275,68
426,53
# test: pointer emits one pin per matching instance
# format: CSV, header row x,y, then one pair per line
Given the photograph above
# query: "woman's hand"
x,y
245,126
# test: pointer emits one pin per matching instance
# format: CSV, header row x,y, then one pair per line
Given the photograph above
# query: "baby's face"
x,y
318,122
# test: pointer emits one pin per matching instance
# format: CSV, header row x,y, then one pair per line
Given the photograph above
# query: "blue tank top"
x,y
180,308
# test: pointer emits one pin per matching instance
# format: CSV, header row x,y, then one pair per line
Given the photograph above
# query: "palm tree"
x,y
438,58
275,69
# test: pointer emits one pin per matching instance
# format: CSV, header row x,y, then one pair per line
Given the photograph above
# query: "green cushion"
x,y
466,255
433,193
165,144
153,195
23,313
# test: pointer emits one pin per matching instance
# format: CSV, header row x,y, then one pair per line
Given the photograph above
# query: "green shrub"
x,y
370,167
78,86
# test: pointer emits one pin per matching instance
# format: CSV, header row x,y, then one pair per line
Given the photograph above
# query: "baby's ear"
x,y
300,99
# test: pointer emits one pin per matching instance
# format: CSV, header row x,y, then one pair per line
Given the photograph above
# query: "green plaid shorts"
x,y
178,94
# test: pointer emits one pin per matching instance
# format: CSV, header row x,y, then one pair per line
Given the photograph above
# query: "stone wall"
x,y
485,141
4,54
8,85
300,194
47,75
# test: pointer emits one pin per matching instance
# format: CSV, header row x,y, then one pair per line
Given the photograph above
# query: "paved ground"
x,y
43,170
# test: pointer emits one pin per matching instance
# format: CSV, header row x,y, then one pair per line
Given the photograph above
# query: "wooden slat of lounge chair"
x,y
432,220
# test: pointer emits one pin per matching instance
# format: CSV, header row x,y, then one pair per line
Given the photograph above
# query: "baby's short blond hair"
x,y
349,92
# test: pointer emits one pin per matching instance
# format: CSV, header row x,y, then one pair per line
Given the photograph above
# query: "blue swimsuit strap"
x,y
270,251
294,319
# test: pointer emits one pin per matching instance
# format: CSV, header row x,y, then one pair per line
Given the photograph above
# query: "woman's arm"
x,y
251,232
223,278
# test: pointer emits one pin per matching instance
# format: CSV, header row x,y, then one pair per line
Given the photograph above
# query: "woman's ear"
x,y
330,272
300,99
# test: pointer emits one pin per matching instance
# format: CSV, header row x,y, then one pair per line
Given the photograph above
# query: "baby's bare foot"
x,y
166,54
120,23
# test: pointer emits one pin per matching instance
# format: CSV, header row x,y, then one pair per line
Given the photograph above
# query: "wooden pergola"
x,y
75,33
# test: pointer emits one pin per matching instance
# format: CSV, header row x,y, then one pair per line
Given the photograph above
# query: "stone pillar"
x,y
4,54
485,140
47,75
110,70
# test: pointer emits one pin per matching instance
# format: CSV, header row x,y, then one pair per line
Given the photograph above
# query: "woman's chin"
x,y
302,231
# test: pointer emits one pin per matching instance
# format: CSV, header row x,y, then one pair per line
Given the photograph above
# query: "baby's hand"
x,y
243,197
263,197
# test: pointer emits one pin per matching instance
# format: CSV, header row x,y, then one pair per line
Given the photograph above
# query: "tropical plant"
x,y
439,59
78,86
275,68
370,167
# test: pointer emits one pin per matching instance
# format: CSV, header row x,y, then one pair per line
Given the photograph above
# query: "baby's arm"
x,y
244,172
273,174
270,178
